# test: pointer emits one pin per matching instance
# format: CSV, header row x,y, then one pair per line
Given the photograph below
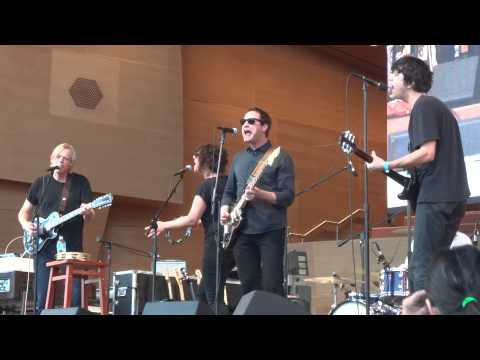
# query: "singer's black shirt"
x,y
80,192
259,215
445,178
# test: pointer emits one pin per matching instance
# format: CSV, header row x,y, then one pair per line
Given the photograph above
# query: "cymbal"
x,y
328,280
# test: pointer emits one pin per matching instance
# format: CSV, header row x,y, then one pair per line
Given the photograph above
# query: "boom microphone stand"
x,y
154,227
36,220
366,209
348,167
108,246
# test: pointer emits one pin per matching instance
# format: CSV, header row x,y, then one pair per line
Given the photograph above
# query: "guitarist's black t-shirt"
x,y
80,192
205,191
445,178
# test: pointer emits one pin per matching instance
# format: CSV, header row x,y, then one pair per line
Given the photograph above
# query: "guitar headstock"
x,y
102,201
347,142
183,271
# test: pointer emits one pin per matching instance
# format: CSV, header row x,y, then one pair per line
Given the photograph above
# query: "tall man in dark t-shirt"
x,y
436,156
260,243
45,194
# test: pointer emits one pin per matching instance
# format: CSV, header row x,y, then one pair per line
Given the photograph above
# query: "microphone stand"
x,y
325,178
366,210
108,246
154,226
36,220
216,207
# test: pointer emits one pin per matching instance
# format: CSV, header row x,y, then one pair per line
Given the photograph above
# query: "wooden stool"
x,y
88,271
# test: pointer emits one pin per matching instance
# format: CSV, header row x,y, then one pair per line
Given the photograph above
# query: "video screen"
x,y
456,81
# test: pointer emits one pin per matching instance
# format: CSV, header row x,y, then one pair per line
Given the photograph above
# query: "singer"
x,y
436,159
63,191
259,248
205,161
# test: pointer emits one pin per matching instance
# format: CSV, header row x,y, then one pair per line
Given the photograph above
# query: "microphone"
x,y
185,169
233,131
53,168
379,84
352,168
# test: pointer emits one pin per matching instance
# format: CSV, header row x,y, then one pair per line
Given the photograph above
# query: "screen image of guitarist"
x,y
47,195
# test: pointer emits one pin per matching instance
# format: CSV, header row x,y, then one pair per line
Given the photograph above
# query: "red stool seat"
x,y
88,271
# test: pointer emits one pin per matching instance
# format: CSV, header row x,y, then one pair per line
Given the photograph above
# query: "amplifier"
x,y
169,266
13,284
133,288
297,263
300,290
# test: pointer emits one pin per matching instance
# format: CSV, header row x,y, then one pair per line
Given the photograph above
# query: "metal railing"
x,y
324,222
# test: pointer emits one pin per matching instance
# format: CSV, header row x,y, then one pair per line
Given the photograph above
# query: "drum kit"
x,y
392,289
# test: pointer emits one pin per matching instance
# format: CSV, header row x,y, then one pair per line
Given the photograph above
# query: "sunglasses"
x,y
250,121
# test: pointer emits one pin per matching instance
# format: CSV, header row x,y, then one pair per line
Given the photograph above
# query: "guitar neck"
x,y
402,180
363,155
64,218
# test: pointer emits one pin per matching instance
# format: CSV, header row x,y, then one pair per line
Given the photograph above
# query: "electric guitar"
x,y
410,184
47,229
230,227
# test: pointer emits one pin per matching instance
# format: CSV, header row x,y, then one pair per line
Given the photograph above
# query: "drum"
x,y
393,284
358,307
355,305
350,307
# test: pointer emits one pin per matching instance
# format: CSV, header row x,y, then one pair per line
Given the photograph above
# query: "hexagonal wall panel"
x,y
85,93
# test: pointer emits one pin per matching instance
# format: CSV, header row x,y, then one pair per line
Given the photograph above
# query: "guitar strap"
x,y
65,194
261,162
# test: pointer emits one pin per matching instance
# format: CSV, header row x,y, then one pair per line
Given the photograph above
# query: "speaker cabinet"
x,y
67,311
264,303
177,308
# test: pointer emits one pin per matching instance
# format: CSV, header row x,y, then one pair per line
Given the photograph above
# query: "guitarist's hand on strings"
x,y
250,192
87,212
30,227
224,214
377,163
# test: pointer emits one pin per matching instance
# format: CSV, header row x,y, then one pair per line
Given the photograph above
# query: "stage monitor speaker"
x,y
457,82
177,308
67,311
264,303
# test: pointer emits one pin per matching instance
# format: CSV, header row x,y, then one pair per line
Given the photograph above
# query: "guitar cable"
x,y
11,241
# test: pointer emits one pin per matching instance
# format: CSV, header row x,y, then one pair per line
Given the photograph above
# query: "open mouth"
x,y
247,132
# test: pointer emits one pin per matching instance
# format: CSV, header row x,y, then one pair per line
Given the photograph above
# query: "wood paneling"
x,y
303,89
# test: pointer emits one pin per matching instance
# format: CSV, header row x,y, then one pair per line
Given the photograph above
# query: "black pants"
x,y
207,286
435,227
47,254
259,259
